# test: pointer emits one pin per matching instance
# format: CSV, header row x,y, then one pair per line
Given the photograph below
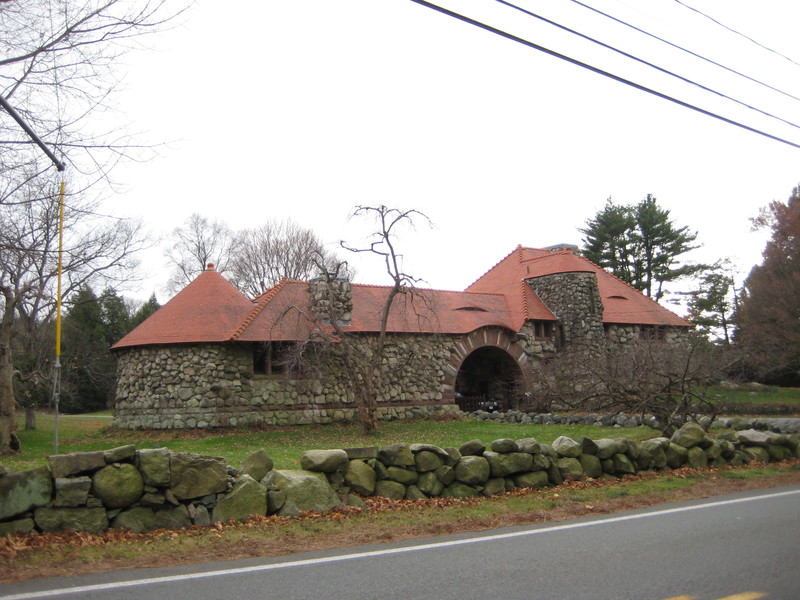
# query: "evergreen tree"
x,y
640,244
712,306
142,313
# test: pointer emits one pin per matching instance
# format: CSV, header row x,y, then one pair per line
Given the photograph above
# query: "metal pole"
x,y
57,363
60,167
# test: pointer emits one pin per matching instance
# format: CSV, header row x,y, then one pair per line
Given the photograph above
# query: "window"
x,y
543,329
272,358
652,332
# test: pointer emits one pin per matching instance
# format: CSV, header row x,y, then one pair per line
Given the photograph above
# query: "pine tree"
x,y
640,244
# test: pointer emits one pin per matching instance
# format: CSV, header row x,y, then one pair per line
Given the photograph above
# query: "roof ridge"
x,y
525,312
516,250
266,297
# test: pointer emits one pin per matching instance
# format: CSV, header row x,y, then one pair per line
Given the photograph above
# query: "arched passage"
x,y
487,379
485,366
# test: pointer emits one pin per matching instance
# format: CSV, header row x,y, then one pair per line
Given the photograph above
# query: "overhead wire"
x,y
597,70
739,33
647,63
686,50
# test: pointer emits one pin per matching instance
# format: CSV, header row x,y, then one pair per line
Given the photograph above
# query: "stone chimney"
x,y
331,299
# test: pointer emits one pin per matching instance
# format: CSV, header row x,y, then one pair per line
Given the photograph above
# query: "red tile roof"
x,y
622,303
210,309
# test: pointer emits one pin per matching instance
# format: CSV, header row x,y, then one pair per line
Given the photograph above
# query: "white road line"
x,y
388,552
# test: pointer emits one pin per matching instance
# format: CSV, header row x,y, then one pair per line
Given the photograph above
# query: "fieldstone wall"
x,y
152,489
575,300
213,385
619,334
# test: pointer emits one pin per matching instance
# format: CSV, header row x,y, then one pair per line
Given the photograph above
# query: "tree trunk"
x,y
30,418
9,442
8,418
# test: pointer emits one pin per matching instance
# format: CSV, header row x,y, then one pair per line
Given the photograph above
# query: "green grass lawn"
x,y
285,445
765,395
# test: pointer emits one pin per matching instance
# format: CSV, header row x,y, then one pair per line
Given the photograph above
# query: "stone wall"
x,y
575,301
213,385
158,489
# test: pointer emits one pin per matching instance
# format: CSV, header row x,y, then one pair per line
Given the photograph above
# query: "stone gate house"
x,y
211,357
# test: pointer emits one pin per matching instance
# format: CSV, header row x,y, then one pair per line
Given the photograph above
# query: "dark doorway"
x,y
487,380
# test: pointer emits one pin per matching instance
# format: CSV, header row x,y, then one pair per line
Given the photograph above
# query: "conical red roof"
x,y
209,309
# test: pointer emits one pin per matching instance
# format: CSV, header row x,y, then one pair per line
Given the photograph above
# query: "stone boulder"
x,y
172,517
17,527
534,479
154,466
248,497
257,464
504,465
396,455
591,465
472,448
623,465
457,489
194,476
360,477
430,484
324,461
390,489
305,490
608,447
504,445
472,470
24,490
752,437
86,520
401,475
76,463
427,460
696,458
688,436
570,468
118,486
529,445
137,519
676,455
120,454
72,491
567,448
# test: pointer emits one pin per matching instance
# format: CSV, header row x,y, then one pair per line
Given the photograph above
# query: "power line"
x,y
681,48
599,71
644,62
739,33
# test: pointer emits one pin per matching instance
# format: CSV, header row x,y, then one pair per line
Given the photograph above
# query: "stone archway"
x,y
485,367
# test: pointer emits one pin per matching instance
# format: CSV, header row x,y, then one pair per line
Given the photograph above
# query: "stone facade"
x,y
174,386
575,301
213,385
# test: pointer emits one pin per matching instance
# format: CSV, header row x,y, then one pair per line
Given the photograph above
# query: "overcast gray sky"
x,y
302,109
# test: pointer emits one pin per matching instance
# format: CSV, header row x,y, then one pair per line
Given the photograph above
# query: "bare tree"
x,y
196,243
363,355
276,250
94,250
59,70
669,380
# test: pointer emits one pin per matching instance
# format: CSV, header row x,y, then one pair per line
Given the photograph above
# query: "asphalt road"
x,y
743,546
